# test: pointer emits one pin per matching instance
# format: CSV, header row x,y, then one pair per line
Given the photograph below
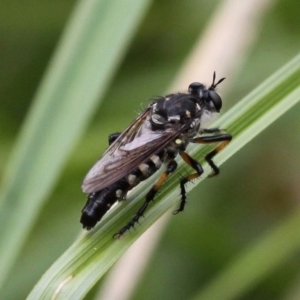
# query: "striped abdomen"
x,y
100,202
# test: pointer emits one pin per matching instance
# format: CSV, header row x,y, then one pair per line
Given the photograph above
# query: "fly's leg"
x,y
112,137
224,140
171,167
198,168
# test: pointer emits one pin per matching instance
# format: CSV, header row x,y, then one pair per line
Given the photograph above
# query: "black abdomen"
x,y
100,202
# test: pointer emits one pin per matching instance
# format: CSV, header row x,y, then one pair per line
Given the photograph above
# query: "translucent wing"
x,y
134,146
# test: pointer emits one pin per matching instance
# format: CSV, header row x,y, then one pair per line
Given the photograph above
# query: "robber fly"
x,y
161,132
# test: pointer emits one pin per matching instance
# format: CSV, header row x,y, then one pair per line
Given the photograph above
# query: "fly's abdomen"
x,y
100,202
97,205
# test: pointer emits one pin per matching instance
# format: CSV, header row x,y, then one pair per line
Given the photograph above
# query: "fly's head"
x,y
209,100
196,108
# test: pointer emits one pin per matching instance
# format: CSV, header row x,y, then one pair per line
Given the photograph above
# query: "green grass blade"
x,y
90,50
87,260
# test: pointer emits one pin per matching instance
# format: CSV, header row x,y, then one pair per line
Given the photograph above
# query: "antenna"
x,y
214,85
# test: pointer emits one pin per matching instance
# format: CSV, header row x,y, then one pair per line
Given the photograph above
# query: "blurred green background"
x,y
258,187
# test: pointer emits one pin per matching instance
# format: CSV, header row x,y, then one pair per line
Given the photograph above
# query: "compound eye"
x,y
216,99
196,88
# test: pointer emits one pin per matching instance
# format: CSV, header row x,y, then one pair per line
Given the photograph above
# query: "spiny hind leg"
x,y
171,167
198,168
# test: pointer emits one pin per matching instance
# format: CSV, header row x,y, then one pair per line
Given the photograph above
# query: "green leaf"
x,y
91,48
88,259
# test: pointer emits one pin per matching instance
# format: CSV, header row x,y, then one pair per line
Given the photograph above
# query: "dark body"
x,y
156,137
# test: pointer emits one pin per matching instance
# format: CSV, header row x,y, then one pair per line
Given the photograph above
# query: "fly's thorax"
x,y
172,109
194,128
